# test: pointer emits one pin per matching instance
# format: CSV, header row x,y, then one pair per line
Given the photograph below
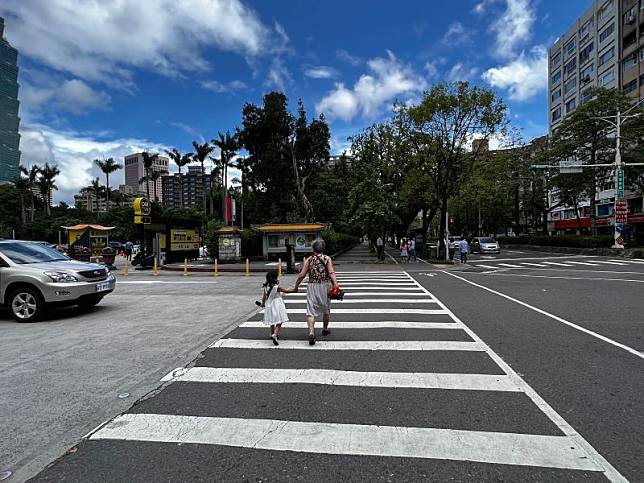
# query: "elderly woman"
x,y
321,273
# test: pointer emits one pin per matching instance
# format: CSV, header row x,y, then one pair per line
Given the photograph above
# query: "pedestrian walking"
x,y
463,247
129,246
412,250
451,249
380,246
274,309
404,251
319,268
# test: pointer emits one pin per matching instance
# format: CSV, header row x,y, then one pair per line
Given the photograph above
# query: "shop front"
x,y
88,242
278,237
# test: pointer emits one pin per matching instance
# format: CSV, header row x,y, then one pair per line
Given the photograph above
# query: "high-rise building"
x,y
9,120
185,190
135,172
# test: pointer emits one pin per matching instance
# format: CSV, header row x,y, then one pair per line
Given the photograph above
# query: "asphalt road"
x,y
63,376
493,373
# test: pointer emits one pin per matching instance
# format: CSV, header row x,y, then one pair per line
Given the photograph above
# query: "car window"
x,y
486,240
30,253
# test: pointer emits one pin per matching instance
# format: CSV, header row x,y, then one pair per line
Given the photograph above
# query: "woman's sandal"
x,y
274,339
311,339
326,332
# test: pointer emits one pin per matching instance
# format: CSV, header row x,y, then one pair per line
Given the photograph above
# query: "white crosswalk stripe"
x,y
434,332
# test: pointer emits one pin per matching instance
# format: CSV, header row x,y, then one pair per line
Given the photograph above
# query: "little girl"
x,y
274,309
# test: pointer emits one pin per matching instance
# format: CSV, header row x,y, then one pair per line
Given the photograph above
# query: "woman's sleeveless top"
x,y
318,272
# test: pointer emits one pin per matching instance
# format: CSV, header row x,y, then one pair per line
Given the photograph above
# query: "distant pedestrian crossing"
x,y
393,380
558,263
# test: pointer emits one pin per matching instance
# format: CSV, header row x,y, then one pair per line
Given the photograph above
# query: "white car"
x,y
485,244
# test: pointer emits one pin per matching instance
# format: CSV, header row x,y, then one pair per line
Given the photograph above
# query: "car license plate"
x,y
102,287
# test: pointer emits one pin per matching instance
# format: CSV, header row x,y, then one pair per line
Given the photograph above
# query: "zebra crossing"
x,y
558,263
400,378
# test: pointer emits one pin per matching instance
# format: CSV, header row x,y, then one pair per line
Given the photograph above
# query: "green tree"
x,y
228,146
47,184
23,189
107,166
200,155
180,160
148,161
32,174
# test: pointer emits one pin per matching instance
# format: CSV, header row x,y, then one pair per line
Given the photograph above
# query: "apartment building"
x,y
135,172
603,47
185,190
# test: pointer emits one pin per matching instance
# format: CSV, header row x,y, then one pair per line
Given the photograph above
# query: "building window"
x,y
630,87
607,78
634,206
570,86
556,95
584,55
570,67
584,32
586,96
641,80
556,77
605,11
606,32
586,75
556,114
630,61
642,55
556,59
630,16
571,105
630,39
570,47
607,56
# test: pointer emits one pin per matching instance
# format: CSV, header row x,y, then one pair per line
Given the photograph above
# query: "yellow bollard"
x,y
279,268
247,274
216,274
155,268
126,270
185,267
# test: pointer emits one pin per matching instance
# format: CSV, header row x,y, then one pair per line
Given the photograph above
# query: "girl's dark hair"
x,y
271,279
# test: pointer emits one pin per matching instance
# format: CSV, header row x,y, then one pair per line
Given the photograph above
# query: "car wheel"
x,y
89,303
26,305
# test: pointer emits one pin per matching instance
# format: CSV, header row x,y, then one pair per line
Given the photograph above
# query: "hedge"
x,y
574,241
337,241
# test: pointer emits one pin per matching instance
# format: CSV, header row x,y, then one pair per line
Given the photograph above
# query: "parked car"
x,y
35,277
118,246
485,244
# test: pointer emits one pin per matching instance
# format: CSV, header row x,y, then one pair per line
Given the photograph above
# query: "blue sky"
x,y
107,78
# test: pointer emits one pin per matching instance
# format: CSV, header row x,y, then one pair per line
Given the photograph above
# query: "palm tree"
x,y
154,176
148,161
32,175
96,189
242,165
228,146
23,187
108,166
180,160
47,184
201,153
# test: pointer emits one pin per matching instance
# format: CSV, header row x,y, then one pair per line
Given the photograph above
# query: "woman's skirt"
x,y
317,299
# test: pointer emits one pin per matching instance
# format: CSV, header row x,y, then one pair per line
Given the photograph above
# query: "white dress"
x,y
274,308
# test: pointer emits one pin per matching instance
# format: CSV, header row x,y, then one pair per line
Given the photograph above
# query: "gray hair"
x,y
319,245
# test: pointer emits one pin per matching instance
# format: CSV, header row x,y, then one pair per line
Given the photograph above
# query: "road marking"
x,y
509,265
373,283
557,264
381,272
555,257
557,277
367,325
540,265
555,317
373,311
353,345
483,266
353,439
625,261
357,290
583,263
351,295
611,263
609,471
371,301
331,377
150,282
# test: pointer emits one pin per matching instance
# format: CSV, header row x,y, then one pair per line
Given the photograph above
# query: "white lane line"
x,y
520,259
355,295
611,263
353,345
583,263
371,301
391,285
419,380
558,264
540,265
366,325
373,311
509,265
352,439
555,317
395,261
481,265
629,260
151,282
556,277
609,471
382,272
378,287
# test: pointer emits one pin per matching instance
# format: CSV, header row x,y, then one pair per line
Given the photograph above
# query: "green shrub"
x,y
337,241
574,241
251,243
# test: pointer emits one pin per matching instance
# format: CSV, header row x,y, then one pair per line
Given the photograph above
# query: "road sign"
x,y
141,206
142,220
620,184
539,166
570,166
621,211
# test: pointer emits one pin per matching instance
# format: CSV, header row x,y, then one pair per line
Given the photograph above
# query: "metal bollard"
x,y
185,267
247,274
126,270
279,268
216,274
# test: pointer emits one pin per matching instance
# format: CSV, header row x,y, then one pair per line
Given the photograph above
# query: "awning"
x,y
288,228
86,226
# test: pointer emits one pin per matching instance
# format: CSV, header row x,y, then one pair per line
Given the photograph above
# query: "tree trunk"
x,y
300,189
443,227
517,211
107,192
23,216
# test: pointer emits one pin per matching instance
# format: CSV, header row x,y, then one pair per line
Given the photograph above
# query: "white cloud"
x,y
187,128
102,41
223,87
482,6
462,72
320,72
387,79
524,77
345,56
278,75
279,28
73,96
74,153
432,68
513,27
456,34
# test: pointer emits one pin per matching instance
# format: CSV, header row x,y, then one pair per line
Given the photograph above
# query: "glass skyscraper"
x,y
9,120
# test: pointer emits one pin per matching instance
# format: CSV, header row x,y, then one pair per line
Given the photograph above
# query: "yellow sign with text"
x,y
141,207
184,240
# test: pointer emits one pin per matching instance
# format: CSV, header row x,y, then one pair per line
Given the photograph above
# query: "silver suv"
x,y
34,276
